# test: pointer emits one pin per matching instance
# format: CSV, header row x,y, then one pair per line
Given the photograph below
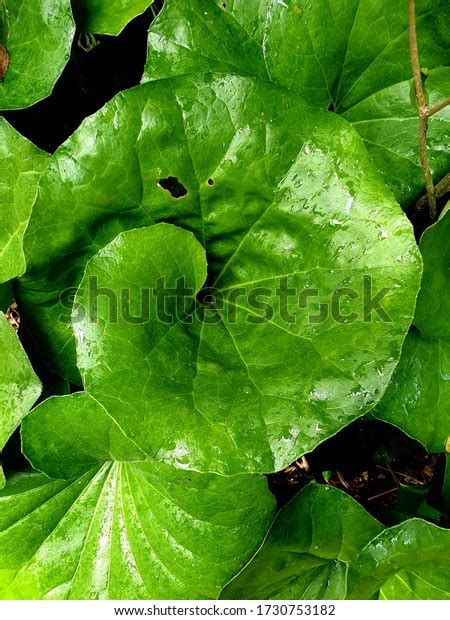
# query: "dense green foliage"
x,y
215,275
321,50
107,16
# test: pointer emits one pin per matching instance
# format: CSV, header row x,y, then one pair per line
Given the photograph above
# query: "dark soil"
x,y
391,475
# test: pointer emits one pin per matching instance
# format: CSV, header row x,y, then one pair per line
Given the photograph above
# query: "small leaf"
x,y
407,561
308,548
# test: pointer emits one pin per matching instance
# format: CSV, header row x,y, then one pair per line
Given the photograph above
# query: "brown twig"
x,y
302,464
437,107
423,110
369,499
342,480
442,189
13,316
399,473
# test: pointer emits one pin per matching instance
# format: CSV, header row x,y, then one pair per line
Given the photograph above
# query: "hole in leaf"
x,y
210,182
173,186
4,61
206,298
224,5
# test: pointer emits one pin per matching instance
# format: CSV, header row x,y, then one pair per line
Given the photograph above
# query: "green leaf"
x,y
107,16
429,585
284,42
308,548
433,304
128,531
388,124
195,387
322,51
19,386
37,36
6,296
418,397
269,206
408,561
446,481
22,165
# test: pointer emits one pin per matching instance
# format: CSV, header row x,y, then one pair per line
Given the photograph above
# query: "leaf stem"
x,y
442,189
423,110
437,107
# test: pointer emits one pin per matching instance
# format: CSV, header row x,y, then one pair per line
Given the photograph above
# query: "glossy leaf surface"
x,y
409,561
37,35
307,551
418,397
19,386
322,51
272,209
433,304
189,391
22,165
427,585
107,16
128,531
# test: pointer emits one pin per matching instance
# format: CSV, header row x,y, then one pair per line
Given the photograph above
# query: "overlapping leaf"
x,y
107,16
308,549
322,51
6,296
408,561
125,530
323,545
36,36
22,166
298,280
418,398
272,208
433,304
19,386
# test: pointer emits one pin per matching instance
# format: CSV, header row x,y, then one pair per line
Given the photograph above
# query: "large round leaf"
x,y
273,208
22,165
128,531
19,386
107,16
36,36
322,51
418,397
